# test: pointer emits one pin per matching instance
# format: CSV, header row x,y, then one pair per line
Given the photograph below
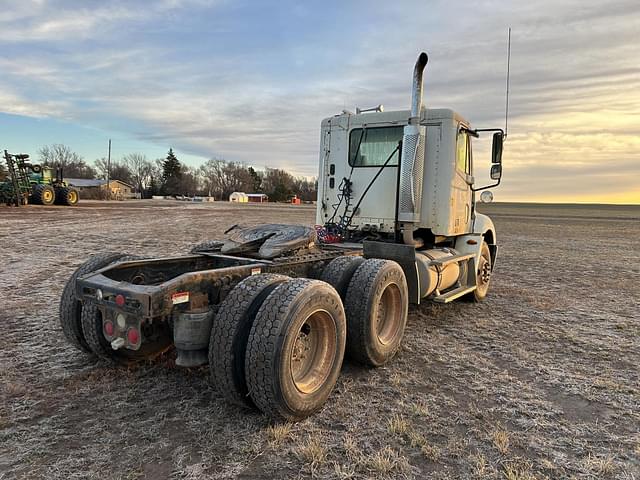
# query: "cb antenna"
x,y
506,108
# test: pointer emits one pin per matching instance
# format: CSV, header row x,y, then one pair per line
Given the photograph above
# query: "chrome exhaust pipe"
x,y
416,91
412,162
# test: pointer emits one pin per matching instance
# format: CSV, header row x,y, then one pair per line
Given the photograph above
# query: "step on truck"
x,y
273,309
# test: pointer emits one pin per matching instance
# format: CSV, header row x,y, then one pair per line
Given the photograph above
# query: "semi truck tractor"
x,y
274,309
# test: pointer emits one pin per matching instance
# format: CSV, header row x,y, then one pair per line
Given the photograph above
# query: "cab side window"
x,y
463,152
371,147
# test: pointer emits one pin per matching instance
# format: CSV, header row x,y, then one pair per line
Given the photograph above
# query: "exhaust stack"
x,y
412,162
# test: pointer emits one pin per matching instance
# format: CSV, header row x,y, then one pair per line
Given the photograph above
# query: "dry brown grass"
x,y
480,465
398,425
539,381
601,466
517,470
351,449
396,379
500,439
420,408
312,451
385,462
279,433
344,472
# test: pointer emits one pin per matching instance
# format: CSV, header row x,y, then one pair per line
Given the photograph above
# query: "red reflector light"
x,y
120,300
133,336
108,328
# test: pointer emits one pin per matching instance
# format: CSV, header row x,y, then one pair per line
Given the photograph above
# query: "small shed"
x,y
238,197
295,200
257,197
120,190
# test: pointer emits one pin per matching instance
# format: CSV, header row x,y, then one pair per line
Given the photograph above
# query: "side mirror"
x,y
496,149
496,171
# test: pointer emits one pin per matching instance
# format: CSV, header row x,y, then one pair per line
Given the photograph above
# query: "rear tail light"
x,y
133,336
120,300
108,328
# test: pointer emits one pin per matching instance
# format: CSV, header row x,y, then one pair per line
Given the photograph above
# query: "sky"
x,y
251,81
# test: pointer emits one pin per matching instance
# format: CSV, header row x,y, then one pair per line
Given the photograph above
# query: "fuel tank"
x,y
437,277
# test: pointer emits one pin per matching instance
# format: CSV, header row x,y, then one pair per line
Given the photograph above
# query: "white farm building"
x,y
239,197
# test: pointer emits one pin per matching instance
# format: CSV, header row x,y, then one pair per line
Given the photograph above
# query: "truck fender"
x,y
484,226
483,230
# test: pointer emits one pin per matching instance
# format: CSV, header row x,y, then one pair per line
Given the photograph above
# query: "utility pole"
x,y
109,171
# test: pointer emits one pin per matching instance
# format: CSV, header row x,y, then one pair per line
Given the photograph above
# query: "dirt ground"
x,y
539,381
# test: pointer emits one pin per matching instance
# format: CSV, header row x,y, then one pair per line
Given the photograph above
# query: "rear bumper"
x,y
151,301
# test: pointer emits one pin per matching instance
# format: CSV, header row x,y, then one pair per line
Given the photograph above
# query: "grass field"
x,y
539,381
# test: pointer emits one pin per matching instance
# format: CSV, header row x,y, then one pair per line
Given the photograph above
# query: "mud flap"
x,y
405,255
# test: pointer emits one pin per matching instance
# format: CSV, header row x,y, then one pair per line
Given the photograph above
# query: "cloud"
x,y
252,82
42,20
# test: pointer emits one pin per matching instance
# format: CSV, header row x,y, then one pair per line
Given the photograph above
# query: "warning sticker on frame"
x,y
180,297
256,271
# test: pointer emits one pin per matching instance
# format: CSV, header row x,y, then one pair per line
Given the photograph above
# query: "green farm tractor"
x,y
32,183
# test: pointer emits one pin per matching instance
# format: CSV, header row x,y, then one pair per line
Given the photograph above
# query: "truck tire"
x,y
339,272
71,307
91,319
43,194
67,196
295,349
377,309
230,331
483,275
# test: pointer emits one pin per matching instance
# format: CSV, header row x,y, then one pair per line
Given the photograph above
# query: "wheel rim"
x,y
313,352
72,197
389,314
47,196
484,273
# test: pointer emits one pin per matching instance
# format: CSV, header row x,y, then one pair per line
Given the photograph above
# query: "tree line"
x,y
168,176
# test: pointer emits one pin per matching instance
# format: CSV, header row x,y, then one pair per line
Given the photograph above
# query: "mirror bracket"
x,y
498,132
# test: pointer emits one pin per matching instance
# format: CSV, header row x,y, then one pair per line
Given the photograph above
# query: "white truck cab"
x,y
406,178
356,146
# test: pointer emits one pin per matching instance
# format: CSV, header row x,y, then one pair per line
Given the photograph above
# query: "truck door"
x,y
462,182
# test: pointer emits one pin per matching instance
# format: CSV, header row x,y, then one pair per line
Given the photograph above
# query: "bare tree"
x,y
117,170
213,177
101,167
306,189
141,170
278,184
61,156
221,178
189,181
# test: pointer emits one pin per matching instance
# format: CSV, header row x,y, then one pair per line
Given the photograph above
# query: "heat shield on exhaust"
x,y
411,173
